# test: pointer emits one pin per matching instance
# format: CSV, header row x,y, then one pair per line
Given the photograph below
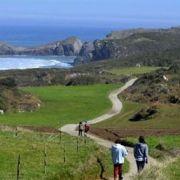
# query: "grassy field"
x,y
172,172
167,170
167,155
166,118
78,164
63,105
133,70
161,147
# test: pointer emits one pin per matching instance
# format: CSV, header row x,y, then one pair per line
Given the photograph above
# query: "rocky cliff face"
x,y
6,49
117,45
140,42
68,47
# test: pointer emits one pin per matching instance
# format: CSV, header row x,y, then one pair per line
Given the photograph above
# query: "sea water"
x,y
30,62
32,36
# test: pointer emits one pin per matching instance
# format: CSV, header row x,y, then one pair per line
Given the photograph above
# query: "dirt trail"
x,y
116,109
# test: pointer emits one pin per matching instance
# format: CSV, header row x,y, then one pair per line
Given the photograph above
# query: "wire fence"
x,y
21,166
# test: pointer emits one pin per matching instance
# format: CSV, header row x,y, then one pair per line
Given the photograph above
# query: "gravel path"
x,y
116,109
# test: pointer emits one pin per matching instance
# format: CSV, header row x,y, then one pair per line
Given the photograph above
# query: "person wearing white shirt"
x,y
118,153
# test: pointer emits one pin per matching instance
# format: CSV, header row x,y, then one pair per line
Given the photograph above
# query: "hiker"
x,y
141,154
86,128
80,128
118,153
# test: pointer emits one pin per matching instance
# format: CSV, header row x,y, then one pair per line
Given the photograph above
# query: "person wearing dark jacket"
x,y
141,154
80,128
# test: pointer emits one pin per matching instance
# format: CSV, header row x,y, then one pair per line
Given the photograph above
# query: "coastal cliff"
x,y
149,46
67,47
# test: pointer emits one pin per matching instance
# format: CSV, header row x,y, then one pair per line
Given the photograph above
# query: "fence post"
x,y
18,167
64,154
60,136
85,140
77,146
45,160
16,132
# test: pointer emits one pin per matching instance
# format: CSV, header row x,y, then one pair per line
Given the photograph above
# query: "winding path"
x,y
71,129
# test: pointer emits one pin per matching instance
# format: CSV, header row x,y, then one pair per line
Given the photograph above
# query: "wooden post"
x,y
60,136
60,133
64,154
85,140
77,147
16,133
18,167
45,160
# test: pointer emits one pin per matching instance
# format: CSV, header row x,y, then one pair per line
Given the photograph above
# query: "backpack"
x,y
87,127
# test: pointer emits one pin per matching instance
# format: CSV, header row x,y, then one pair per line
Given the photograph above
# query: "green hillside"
x,y
63,105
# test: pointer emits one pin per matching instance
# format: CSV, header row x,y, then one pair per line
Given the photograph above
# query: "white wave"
x,y
7,63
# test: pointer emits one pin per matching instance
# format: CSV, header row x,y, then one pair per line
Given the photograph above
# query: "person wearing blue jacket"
x,y
118,153
141,154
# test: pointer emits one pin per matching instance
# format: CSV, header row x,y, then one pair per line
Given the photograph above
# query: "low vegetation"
x,y
63,105
167,170
14,100
161,86
51,157
133,71
162,147
166,119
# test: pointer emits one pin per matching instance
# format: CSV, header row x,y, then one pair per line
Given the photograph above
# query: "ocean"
x,y
30,62
32,36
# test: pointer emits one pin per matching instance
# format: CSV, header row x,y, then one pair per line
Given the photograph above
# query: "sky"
x,y
98,13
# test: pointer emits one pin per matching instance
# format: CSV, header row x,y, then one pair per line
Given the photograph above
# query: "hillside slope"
x,y
12,99
160,86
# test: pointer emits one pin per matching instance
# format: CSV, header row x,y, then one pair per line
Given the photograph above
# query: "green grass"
x,y
133,70
63,105
170,143
171,172
81,164
166,118
167,170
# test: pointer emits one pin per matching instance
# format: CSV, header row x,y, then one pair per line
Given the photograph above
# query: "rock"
x,y
1,111
6,49
69,47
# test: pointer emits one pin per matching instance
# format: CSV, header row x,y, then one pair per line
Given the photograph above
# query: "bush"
x,y
8,82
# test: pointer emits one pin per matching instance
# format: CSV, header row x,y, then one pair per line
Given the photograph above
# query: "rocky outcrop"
x,y
69,47
130,43
6,49
152,43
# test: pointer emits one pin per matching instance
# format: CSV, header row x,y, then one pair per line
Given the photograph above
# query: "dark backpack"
x,y
87,127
